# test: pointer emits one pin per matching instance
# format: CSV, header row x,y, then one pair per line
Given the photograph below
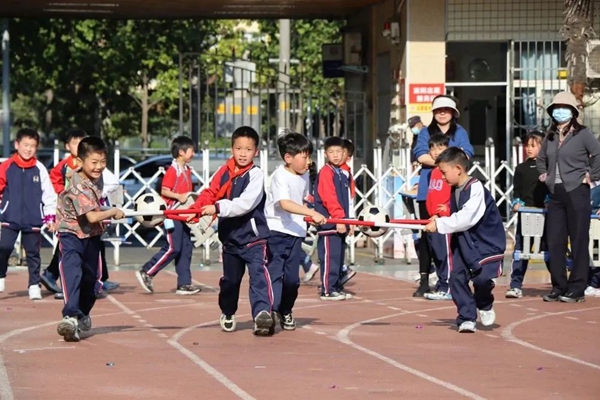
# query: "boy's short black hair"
x,y
90,145
453,156
181,143
349,146
27,133
439,139
293,143
333,141
247,132
534,135
75,133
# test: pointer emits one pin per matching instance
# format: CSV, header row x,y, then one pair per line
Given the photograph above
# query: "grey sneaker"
x,y
145,280
333,296
288,322
514,293
68,328
263,323
85,323
228,323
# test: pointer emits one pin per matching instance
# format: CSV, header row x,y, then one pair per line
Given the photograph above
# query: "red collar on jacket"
x,y
24,163
71,162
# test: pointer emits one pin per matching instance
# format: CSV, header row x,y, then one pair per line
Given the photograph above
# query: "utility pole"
x,y
283,84
5,89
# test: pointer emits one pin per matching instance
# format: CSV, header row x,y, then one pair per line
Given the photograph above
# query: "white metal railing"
x,y
381,185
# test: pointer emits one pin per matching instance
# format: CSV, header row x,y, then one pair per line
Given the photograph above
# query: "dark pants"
x,y
440,246
235,261
53,266
569,218
332,250
466,301
594,280
31,242
285,253
424,252
179,247
519,267
80,271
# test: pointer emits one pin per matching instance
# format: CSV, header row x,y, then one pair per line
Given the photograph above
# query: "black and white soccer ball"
x,y
150,202
373,214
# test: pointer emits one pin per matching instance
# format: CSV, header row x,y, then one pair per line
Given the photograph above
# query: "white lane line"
x,y
507,334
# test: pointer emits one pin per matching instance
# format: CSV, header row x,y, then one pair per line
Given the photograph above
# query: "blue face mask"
x,y
562,115
415,130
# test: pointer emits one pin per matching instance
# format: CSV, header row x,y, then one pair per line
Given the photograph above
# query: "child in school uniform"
x,y
478,241
438,204
60,176
529,191
347,273
285,213
176,187
237,197
80,226
28,202
332,201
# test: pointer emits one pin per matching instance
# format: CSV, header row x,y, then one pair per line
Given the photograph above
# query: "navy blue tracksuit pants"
x,y
285,253
178,247
332,250
80,272
519,267
440,246
31,242
482,274
235,261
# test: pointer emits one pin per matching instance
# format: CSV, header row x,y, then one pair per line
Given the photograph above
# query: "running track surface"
x,y
381,344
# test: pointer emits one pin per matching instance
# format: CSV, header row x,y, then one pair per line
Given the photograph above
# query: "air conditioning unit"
x,y
593,62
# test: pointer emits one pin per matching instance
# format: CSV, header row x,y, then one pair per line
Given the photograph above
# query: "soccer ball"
x,y
150,202
373,214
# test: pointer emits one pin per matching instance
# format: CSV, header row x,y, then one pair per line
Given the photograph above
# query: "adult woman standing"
x,y
568,161
445,113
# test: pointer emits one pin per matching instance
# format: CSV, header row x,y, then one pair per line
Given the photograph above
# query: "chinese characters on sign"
x,y
420,96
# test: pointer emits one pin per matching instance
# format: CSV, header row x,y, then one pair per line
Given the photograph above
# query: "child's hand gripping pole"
x,y
394,224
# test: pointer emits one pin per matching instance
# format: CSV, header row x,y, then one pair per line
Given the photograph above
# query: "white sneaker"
x,y
333,296
589,291
311,272
68,328
2,284
467,327
35,292
438,296
514,293
487,317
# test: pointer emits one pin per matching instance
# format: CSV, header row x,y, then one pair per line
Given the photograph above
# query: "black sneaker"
x,y
85,323
349,275
553,296
420,292
145,280
288,322
571,298
263,323
49,282
228,323
186,290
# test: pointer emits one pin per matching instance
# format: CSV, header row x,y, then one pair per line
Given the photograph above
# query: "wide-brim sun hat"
x,y
445,102
564,99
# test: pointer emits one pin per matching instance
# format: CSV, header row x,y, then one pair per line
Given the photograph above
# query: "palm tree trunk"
x,y
577,31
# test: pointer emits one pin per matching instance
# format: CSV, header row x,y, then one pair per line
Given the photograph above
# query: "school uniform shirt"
x,y
177,179
347,171
286,185
58,174
331,195
240,198
438,194
28,198
476,223
81,197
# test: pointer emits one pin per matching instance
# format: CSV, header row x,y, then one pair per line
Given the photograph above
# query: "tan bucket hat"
x,y
445,101
564,99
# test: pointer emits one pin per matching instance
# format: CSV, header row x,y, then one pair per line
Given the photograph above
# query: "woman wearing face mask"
x,y
415,124
445,113
568,161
